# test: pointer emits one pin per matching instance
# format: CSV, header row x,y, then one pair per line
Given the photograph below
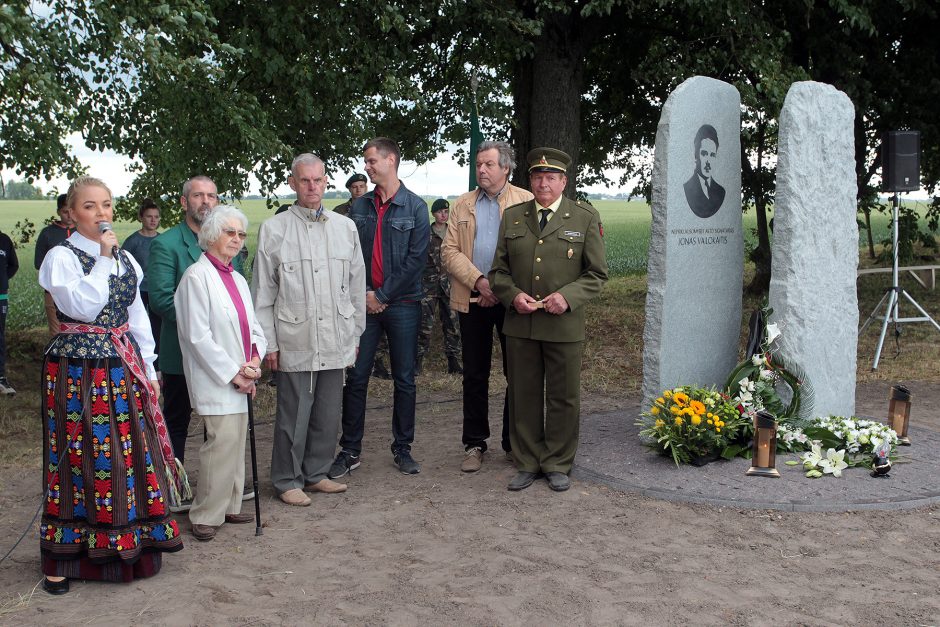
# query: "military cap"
x,y
439,205
548,160
355,178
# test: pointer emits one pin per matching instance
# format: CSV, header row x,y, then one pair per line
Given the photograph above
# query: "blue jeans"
x,y
400,322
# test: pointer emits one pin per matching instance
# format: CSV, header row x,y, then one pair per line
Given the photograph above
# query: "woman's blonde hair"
x,y
84,181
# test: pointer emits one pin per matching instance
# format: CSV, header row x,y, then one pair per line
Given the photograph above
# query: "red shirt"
x,y
378,275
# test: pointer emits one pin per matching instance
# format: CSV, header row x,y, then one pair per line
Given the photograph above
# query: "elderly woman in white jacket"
x,y
222,346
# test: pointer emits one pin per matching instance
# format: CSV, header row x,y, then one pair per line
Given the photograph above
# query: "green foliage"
x,y
21,190
912,231
23,232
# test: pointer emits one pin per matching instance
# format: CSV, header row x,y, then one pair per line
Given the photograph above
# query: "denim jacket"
x,y
406,230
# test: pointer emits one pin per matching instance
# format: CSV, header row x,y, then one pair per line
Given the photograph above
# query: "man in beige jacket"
x,y
467,254
310,300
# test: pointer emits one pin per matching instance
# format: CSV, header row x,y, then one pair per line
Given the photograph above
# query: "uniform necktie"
x,y
545,213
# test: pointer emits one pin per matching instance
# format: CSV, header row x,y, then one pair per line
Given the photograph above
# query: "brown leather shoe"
x,y
326,486
296,497
204,532
473,460
239,519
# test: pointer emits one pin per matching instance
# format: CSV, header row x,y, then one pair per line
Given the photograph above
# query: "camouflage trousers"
x,y
450,326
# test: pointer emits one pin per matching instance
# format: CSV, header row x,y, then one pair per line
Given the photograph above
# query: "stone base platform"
x,y
611,453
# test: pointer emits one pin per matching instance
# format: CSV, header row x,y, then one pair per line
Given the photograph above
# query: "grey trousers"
x,y
309,408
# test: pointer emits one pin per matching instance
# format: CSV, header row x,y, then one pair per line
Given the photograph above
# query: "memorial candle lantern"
x,y
899,412
764,453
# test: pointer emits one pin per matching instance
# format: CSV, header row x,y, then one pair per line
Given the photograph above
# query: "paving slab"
x,y
612,453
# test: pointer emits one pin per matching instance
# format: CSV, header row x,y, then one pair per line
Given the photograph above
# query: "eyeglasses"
x,y
235,232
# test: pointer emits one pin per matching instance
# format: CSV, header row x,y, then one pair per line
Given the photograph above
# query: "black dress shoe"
x,y
558,481
521,481
55,587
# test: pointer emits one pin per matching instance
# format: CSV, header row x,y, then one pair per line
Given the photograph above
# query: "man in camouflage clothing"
x,y
357,186
437,296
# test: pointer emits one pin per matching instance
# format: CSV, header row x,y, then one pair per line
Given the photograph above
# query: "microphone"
x,y
104,227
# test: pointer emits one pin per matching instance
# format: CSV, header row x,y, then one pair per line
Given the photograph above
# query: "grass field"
x,y
626,231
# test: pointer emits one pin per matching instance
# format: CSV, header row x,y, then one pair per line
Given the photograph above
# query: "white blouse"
x,y
82,296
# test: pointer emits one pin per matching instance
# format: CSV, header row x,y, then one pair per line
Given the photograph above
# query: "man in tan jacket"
x,y
467,255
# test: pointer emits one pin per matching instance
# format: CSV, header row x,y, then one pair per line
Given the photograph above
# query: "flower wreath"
x,y
753,384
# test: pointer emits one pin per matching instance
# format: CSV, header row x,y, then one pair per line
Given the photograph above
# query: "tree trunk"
x,y
761,255
547,95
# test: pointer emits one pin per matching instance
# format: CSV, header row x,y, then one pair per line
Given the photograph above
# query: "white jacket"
x,y
211,340
309,284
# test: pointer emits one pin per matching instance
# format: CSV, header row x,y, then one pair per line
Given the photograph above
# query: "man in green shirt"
x,y
171,253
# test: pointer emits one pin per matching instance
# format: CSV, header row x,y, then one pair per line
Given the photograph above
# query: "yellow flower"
x,y
667,394
717,430
697,407
679,421
681,399
710,421
660,423
661,401
654,410
674,409
709,415
696,420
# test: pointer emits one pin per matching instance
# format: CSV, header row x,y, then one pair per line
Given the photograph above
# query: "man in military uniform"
x,y
437,296
356,184
549,262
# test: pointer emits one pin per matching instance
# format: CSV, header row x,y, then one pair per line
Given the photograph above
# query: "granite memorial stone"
x,y
815,243
696,253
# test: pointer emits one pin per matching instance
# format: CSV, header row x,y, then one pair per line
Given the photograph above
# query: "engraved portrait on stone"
x,y
702,192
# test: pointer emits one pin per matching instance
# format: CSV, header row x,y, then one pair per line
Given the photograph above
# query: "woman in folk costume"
x,y
108,466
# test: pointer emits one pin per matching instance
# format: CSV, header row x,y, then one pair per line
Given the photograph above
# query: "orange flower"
x,y
698,407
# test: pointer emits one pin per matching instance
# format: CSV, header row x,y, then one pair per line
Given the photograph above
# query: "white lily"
x,y
757,360
834,462
812,457
773,332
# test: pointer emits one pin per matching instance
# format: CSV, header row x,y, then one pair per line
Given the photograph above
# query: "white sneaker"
x,y
5,388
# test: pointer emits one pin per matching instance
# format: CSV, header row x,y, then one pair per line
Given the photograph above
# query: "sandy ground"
x,y
445,547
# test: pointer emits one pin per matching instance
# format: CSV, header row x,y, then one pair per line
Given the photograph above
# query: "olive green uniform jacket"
x,y
568,258
544,350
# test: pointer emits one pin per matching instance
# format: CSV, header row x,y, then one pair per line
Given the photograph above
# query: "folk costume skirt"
x,y
106,515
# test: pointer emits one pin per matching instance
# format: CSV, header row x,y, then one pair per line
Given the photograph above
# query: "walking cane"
x,y
254,466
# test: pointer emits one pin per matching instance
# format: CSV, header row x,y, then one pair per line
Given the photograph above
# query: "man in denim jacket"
x,y
394,230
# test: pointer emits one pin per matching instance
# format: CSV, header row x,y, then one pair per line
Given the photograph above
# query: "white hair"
x,y
218,219
307,158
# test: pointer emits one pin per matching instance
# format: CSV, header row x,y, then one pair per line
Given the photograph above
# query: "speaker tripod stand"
x,y
893,295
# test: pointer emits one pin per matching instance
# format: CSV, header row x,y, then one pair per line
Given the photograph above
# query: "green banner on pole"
x,y
476,138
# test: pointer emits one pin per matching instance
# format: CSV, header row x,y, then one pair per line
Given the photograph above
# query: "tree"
x,y
21,190
230,87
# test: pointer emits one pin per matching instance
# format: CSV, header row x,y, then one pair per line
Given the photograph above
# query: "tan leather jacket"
x,y
457,249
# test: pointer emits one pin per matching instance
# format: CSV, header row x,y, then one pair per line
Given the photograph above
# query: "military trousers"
x,y
544,403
